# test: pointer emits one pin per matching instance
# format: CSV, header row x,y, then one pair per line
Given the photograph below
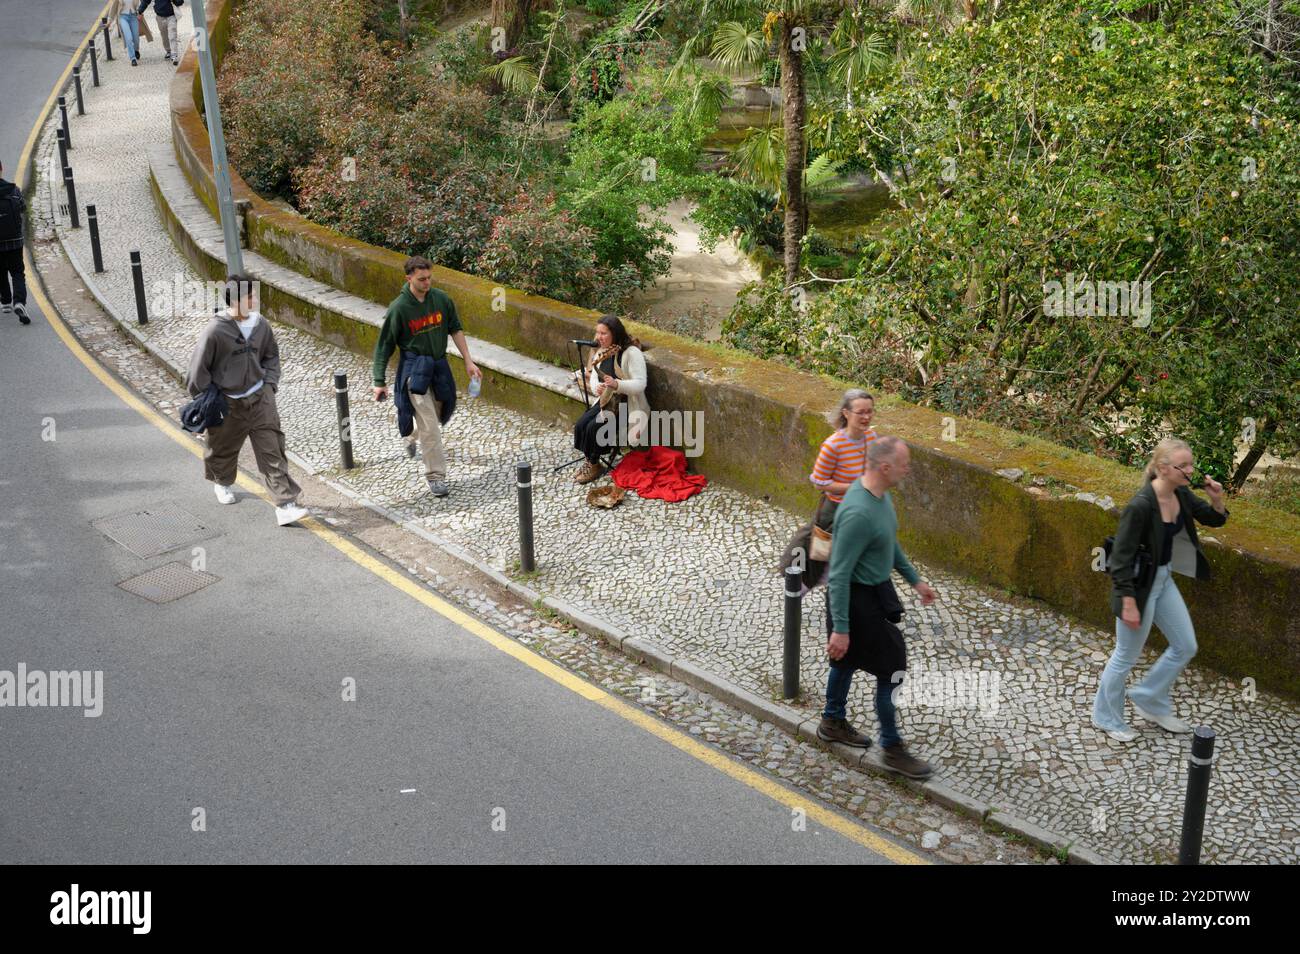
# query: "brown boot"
x,y
839,730
587,473
896,758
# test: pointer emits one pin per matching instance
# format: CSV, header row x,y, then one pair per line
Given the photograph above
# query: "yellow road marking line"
x,y
673,736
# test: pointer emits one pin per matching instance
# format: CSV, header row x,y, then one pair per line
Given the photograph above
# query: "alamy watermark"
x,y
1087,298
949,689
684,429
192,297
75,906
36,688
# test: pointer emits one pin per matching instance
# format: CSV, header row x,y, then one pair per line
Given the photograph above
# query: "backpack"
x,y
11,217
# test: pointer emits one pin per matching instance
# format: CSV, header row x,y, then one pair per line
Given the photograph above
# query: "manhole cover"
x,y
168,582
150,532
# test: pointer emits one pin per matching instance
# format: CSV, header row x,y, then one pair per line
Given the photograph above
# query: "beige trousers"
x,y
167,30
429,434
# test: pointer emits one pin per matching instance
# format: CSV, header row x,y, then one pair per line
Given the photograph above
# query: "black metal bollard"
x,y
76,83
71,187
95,251
1199,770
63,114
108,44
793,629
524,481
137,278
94,64
63,148
345,418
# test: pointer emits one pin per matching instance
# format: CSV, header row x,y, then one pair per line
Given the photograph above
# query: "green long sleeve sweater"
x,y
864,548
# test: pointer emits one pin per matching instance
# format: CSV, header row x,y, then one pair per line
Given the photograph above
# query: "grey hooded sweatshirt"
x,y
222,355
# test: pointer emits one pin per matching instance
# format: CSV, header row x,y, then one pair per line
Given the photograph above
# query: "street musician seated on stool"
x,y
620,415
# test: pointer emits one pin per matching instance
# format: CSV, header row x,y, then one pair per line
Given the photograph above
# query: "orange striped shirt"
x,y
841,460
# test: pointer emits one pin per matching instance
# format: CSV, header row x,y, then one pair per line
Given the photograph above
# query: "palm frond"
x,y
514,74
737,47
853,63
709,94
760,158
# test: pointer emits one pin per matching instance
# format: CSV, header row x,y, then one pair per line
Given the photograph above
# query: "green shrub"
x,y
541,249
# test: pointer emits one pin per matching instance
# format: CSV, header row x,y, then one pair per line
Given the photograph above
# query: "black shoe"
x,y
839,730
133,62
21,312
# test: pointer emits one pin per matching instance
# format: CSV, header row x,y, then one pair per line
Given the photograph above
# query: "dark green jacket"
x,y
1141,523
418,327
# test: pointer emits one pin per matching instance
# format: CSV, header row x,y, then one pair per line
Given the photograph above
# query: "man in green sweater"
x,y
418,323
862,606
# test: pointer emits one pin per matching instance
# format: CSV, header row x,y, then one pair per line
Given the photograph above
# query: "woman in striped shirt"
x,y
842,459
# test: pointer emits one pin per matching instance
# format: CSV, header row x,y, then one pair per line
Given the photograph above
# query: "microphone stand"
x,y
586,398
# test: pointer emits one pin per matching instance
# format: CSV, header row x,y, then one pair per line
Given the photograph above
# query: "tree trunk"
x,y
793,115
1271,43
513,16
403,15
1262,436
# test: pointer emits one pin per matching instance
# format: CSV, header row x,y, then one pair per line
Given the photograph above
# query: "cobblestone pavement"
x,y
941,834
698,578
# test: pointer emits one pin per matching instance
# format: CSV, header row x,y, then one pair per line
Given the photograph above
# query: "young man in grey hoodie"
x,y
238,353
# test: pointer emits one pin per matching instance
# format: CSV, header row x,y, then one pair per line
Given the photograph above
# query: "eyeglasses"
x,y
1187,469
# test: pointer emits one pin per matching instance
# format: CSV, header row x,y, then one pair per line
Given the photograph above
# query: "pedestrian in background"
x,y
13,277
1156,538
418,324
166,13
238,352
864,606
841,460
127,13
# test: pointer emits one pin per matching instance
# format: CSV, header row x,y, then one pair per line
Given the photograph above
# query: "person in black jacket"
x,y
1156,538
166,13
12,207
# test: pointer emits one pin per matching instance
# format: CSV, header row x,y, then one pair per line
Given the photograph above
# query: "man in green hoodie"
x,y
419,322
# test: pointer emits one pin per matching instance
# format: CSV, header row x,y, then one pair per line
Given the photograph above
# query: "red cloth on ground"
x,y
658,473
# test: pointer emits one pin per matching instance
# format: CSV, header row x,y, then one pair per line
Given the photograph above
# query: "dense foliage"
x,y
1092,229
1065,143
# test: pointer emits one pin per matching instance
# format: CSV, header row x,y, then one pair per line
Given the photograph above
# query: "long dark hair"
x,y
621,337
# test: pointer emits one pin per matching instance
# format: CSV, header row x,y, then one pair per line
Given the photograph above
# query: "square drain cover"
x,y
168,582
148,533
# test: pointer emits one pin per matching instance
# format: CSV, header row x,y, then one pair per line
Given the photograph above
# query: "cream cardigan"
x,y
630,372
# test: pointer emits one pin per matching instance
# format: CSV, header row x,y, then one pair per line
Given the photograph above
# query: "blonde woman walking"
x,y
1156,538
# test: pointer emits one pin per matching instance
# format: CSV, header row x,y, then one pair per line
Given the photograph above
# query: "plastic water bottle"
x,y
475,386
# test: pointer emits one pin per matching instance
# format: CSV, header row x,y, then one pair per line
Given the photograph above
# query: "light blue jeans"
x,y
1165,608
130,25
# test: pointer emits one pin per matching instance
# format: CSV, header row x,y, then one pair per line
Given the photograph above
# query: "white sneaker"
x,y
289,513
224,494
1119,735
1167,722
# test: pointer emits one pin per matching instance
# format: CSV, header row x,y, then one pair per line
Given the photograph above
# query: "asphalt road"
x,y
230,699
